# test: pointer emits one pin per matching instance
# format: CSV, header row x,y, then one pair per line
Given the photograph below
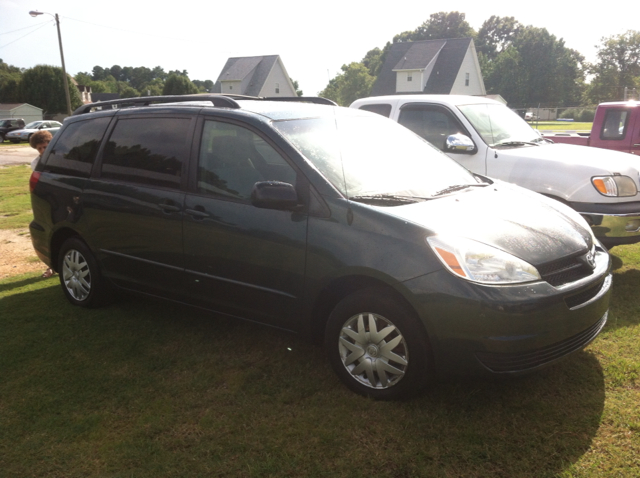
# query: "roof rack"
x,y
217,100
224,101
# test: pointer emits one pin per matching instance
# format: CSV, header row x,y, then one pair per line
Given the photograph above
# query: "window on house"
x,y
231,87
466,79
409,76
277,87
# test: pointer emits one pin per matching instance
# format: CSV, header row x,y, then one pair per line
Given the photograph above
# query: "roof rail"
x,y
318,100
216,100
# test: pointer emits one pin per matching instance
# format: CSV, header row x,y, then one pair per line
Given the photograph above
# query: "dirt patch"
x,y
16,253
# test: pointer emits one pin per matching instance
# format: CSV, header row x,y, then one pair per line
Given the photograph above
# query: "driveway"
x,y
10,155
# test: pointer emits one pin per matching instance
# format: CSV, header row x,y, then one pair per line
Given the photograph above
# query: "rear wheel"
x,y
80,277
377,345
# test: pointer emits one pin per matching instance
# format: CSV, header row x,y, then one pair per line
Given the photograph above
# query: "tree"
x,y
355,82
440,26
42,86
535,68
179,84
618,67
296,87
495,35
10,77
373,61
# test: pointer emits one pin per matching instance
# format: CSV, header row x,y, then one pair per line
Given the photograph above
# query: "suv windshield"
x,y
369,155
498,125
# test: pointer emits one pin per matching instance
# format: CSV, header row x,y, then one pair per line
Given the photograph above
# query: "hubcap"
x,y
373,350
76,275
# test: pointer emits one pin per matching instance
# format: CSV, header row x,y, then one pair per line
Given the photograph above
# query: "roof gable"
x,y
250,70
448,55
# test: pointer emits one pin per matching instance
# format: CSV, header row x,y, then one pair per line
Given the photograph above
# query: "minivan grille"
x,y
564,271
519,362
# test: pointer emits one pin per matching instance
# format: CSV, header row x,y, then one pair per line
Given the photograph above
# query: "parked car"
x,y
616,126
24,134
329,222
9,124
530,116
490,139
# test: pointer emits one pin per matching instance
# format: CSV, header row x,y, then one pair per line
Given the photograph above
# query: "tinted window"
x,y
75,151
147,151
232,159
615,123
381,109
431,123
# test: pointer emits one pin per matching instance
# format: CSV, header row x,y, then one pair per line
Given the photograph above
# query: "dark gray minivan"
x,y
334,223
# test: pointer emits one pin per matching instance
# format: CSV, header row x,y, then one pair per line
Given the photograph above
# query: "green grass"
x,y
145,388
15,202
560,126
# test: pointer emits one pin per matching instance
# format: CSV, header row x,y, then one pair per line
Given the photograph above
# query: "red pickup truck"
x,y
615,126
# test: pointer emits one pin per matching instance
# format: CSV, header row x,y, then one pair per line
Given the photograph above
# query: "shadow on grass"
x,y
20,281
146,388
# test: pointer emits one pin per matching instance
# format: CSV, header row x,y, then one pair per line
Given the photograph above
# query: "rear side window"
x,y
147,151
381,109
75,150
615,124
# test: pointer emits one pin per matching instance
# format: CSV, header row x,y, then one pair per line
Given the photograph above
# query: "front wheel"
x,y
377,345
80,277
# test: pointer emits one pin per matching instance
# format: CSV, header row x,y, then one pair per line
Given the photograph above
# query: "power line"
x,y
24,28
43,25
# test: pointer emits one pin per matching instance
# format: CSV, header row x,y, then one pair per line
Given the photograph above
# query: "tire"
x,y
80,276
1,137
15,141
391,365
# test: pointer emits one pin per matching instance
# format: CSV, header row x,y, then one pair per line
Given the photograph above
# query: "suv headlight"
x,y
481,263
616,186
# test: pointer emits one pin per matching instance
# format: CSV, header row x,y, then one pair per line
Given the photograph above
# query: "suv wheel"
x,y
376,345
79,275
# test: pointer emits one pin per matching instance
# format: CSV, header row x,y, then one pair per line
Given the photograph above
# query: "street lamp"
x,y
35,13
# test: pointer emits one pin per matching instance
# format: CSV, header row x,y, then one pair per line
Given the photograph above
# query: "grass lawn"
x,y
145,388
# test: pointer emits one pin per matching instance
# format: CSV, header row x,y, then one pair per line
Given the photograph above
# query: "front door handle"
x,y
196,213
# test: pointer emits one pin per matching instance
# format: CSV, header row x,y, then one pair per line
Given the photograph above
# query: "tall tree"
x,y
536,68
440,26
495,35
10,77
354,82
618,67
42,86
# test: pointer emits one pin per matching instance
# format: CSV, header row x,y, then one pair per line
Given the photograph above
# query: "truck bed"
x,y
580,139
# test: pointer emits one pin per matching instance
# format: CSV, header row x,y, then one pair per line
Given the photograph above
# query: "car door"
x,y
240,259
436,123
135,202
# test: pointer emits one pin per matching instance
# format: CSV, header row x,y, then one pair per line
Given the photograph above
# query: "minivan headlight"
x,y
616,186
481,263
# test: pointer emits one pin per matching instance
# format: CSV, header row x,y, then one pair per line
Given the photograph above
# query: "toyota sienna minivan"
x,y
332,223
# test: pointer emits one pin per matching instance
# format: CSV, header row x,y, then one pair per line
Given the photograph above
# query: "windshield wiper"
x,y
516,143
387,198
458,187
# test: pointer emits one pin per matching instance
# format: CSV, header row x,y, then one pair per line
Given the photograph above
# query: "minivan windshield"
x,y
498,125
373,156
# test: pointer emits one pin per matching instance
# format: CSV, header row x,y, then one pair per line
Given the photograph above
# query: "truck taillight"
x,y
33,180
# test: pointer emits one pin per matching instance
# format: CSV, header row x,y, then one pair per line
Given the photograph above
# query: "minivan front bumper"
x,y
509,330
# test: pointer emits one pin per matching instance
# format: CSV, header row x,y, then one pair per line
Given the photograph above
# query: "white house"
x,y
21,110
448,67
255,76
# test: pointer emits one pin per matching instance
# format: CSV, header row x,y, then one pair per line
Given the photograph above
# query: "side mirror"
x,y
274,195
460,144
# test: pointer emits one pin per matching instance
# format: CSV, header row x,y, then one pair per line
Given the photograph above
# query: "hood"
x,y
525,224
599,161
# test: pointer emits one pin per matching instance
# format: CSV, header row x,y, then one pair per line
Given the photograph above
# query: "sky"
x,y
314,39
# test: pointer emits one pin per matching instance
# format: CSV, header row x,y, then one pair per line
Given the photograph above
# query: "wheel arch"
x,y
58,238
342,287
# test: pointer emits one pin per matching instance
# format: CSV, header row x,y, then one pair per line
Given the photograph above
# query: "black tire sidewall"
x,y
381,302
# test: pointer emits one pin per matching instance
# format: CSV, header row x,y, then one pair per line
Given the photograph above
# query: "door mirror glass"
x,y
274,195
459,143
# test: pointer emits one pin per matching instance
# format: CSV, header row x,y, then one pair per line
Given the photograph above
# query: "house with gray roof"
x,y
255,76
444,67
